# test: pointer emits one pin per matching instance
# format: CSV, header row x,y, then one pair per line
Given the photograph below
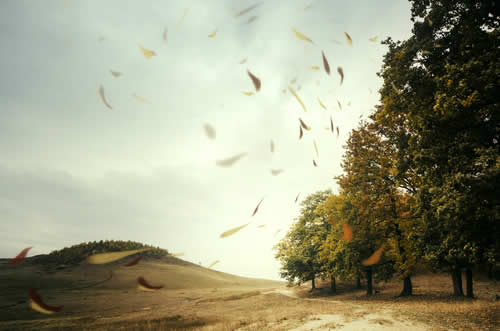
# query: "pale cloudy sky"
x,y
72,170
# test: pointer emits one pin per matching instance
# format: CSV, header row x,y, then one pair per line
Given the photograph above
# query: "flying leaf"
x,y
255,80
337,131
325,63
116,73
37,303
341,73
165,37
257,208
314,163
212,264
143,285
302,124
261,226
301,36
20,257
347,232
301,132
233,231
272,146
247,93
316,148
186,11
251,19
141,99
348,38
243,61
276,172
209,131
103,98
212,34
297,197
398,91
375,257
340,106
230,161
245,11
331,123
297,97
373,39
147,52
321,104
133,262
103,258
314,67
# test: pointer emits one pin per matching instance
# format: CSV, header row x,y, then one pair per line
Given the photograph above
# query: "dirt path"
x,y
360,319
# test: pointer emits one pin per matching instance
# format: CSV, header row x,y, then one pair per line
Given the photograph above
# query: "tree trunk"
x,y
358,282
369,285
333,285
468,274
313,284
407,287
456,276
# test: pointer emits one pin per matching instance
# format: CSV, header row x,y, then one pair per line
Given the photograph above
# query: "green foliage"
x,y
298,251
77,253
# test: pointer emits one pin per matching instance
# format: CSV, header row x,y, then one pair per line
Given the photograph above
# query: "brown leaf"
x,y
331,123
297,197
37,303
276,172
314,163
325,63
257,208
255,80
245,11
337,131
133,262
301,132
341,73
115,73
251,19
230,161
20,257
103,98
142,284
308,128
209,131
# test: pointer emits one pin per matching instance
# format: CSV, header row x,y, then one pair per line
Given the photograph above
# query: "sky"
x,y
73,170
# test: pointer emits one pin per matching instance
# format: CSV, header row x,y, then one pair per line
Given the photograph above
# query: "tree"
x,y
298,250
440,102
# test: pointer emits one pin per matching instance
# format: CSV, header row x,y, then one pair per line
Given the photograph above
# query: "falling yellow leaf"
x,y
348,38
261,226
304,125
143,285
212,34
230,161
209,131
314,67
103,258
233,231
316,148
36,303
247,93
186,11
141,99
375,257
212,264
103,98
297,97
340,106
283,91
373,39
272,146
321,104
301,36
147,53
276,172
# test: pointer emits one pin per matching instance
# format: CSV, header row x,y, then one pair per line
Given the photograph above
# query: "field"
x,y
105,298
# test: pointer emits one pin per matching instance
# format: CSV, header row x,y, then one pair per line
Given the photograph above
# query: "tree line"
x,y
421,176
